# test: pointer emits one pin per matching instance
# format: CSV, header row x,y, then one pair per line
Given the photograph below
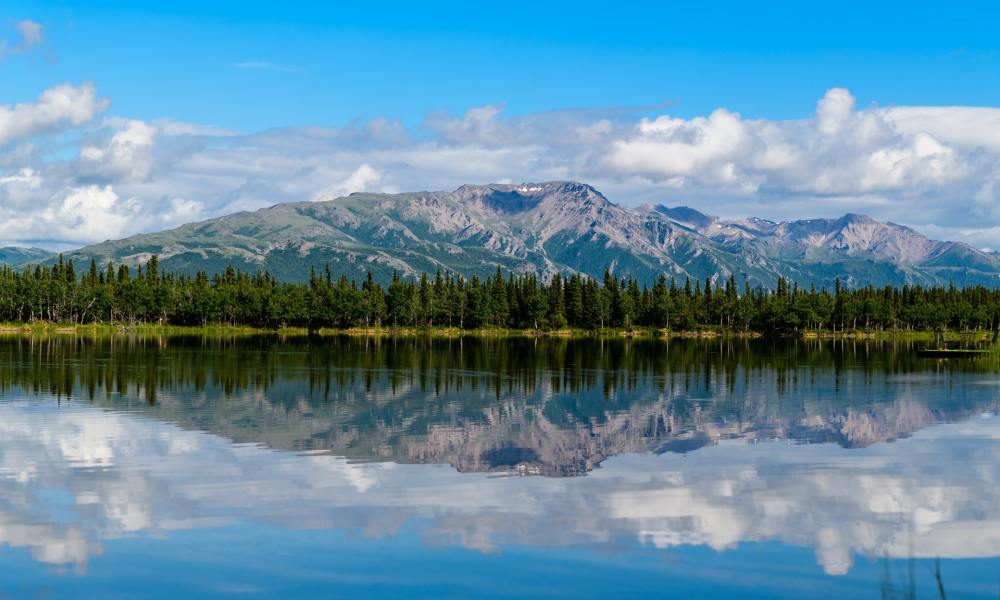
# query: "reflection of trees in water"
x,y
551,406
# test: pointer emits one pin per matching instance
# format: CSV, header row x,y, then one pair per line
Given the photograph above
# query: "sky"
x,y
122,117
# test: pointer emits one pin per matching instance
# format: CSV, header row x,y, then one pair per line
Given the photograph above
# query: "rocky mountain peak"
x,y
851,218
523,197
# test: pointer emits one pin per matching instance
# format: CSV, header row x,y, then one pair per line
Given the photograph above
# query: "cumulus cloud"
x,y
90,212
81,214
961,126
675,149
360,180
842,151
834,111
58,108
934,168
127,154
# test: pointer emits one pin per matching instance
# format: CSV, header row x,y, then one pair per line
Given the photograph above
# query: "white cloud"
x,y
89,213
834,111
841,151
961,126
19,188
934,168
182,211
669,147
478,125
360,180
78,215
127,154
58,108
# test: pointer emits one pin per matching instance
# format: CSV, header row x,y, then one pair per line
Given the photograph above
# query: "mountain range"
x,y
544,228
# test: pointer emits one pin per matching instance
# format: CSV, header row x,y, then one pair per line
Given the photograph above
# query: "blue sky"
x,y
120,117
328,63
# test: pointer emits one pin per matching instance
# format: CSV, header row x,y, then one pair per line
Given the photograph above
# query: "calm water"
x,y
455,468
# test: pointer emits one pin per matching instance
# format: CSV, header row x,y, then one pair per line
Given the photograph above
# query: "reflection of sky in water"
x,y
76,478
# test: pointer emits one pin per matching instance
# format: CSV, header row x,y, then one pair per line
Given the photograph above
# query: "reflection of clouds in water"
x,y
73,476
934,493
52,544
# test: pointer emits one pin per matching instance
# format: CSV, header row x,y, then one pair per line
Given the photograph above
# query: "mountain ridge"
x,y
16,256
546,228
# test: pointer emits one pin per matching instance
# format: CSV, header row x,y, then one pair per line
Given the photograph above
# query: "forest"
x,y
120,295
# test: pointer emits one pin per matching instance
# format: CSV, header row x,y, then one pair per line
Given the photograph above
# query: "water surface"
x,y
452,468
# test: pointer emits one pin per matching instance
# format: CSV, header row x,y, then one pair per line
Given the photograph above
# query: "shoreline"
x,y
45,328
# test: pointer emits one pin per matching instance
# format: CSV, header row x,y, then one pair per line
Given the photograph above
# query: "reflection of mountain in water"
x,y
551,407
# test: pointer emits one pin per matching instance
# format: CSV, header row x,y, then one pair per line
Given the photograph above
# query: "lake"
x,y
349,467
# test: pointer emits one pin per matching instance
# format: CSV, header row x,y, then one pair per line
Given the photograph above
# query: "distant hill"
x,y
546,228
15,256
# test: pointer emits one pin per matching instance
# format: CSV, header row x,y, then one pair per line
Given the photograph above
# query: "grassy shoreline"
x,y
46,328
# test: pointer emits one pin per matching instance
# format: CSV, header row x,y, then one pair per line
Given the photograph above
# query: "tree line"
x,y
122,295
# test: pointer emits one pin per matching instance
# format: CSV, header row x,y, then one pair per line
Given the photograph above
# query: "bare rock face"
x,y
546,228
